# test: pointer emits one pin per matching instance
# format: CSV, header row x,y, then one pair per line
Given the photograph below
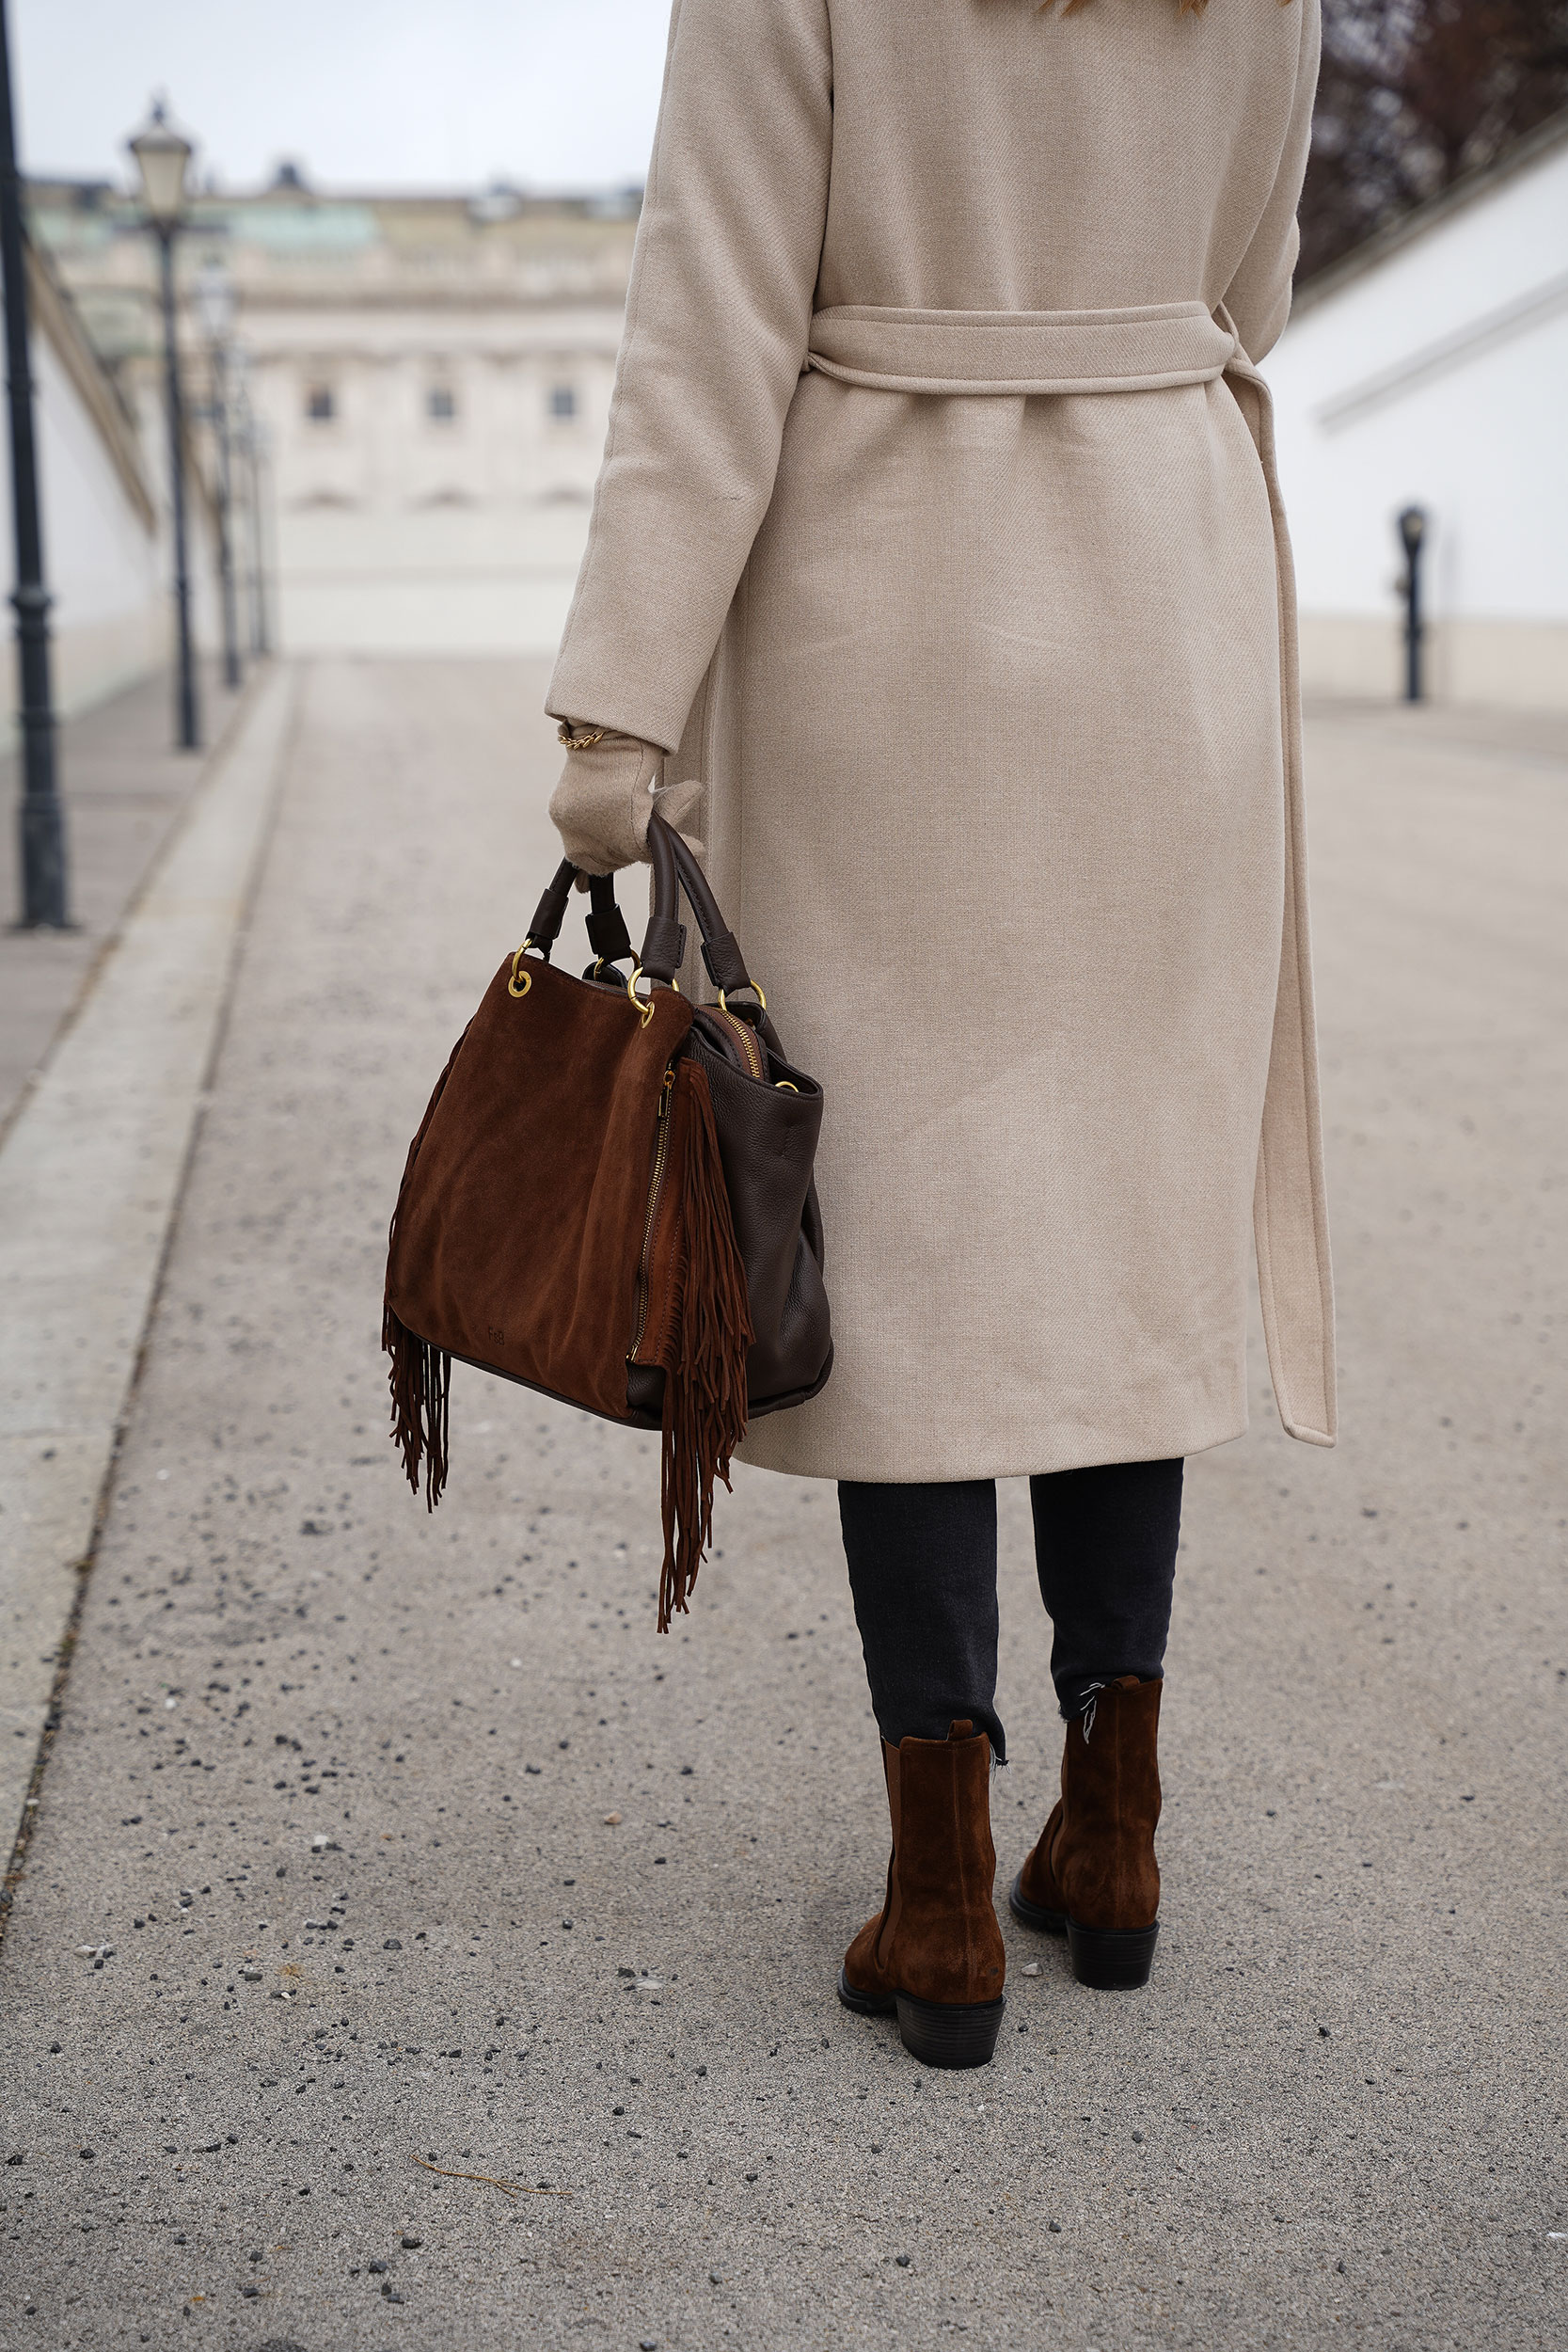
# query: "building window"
x,y
563,402
320,404
440,405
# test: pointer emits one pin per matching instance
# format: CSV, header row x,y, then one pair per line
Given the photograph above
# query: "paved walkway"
x,y
371,1842
125,787
90,1176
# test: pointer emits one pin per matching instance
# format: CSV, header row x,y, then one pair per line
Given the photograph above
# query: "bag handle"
x,y
608,934
675,869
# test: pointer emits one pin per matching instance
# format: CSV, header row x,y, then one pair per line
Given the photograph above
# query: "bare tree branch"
x,y
1413,94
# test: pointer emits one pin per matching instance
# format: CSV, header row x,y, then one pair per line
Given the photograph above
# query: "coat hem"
x,y
1016,1458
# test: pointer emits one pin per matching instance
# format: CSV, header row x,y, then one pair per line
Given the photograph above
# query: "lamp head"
x,y
162,155
1411,528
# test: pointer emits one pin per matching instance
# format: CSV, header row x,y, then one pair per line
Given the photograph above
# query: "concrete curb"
x,y
111,735
90,1174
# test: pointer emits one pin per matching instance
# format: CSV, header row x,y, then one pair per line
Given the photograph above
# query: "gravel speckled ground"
x,y
373,1842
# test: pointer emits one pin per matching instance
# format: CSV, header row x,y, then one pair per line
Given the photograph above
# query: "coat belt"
x,y
1152,348
1143,350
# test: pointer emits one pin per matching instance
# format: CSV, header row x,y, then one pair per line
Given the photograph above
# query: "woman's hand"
x,y
606,796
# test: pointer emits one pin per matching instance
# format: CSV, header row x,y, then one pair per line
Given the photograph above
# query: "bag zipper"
x,y
747,1035
655,1186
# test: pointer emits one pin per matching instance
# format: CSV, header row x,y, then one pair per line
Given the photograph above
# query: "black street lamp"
x,y
251,441
42,823
1412,531
215,302
260,479
161,156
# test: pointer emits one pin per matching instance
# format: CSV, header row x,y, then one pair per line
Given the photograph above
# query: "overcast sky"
x,y
363,94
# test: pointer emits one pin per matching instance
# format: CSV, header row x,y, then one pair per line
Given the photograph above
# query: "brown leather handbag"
x,y
610,1200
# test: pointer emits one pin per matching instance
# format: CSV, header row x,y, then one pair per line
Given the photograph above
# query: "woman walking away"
x,y
936,563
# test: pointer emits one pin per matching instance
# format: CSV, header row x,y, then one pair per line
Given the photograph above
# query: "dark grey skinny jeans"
x,y
923,1571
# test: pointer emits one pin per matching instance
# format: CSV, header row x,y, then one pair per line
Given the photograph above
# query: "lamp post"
x,y
215,302
1412,529
253,448
266,540
161,156
243,429
42,825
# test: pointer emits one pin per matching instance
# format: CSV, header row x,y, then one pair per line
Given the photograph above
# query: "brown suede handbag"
x,y
610,1200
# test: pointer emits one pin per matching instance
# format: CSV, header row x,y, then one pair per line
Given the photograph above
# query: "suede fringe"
x,y
704,1374
420,1381
421,1375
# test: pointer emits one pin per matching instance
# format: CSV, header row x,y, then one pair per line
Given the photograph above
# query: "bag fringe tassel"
x,y
705,1376
421,1375
421,1382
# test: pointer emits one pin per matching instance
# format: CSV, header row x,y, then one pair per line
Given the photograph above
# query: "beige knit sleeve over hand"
x,y
717,319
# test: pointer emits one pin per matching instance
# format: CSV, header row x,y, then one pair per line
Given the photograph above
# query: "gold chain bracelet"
x,y
575,742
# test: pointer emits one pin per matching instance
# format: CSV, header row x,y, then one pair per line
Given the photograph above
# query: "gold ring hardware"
x,y
646,1011
643,1012
782,1085
517,972
724,1004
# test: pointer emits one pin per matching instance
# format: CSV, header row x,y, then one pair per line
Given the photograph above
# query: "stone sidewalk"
x,y
595,1963
124,787
91,1170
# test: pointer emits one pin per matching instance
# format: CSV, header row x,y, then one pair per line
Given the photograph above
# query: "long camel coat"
x,y
937,533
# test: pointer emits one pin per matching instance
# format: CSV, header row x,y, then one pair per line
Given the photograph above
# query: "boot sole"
x,y
1110,1959
938,2033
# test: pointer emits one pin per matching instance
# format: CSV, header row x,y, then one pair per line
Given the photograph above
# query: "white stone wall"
x,y
110,617
1438,377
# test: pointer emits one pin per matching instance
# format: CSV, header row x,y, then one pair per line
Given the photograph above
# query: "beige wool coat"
x,y
937,533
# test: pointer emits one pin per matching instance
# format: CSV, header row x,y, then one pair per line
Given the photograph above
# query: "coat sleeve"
x,y
718,320
1258,296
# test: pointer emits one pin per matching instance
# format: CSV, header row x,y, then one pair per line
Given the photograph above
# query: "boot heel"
x,y
949,2033
1113,1960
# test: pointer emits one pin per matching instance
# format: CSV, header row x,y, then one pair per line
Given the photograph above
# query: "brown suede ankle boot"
x,y
934,1951
1093,1875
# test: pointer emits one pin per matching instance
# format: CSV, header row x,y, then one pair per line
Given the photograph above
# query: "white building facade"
x,y
1429,369
432,377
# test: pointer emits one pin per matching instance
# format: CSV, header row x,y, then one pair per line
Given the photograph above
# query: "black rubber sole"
x,y
938,2033
1033,1914
1110,1959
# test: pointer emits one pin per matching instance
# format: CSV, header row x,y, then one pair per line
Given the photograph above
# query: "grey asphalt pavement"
x,y
507,2015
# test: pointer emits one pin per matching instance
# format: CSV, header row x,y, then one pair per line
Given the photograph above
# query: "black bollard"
x,y
1412,531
